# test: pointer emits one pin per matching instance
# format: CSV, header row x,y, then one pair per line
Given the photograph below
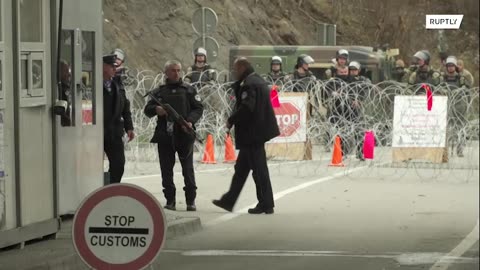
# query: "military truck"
x,y
376,64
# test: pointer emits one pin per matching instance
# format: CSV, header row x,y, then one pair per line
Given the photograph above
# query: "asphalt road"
x,y
359,217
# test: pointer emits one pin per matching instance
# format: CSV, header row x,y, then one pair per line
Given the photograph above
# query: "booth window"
x,y
65,87
88,78
37,74
31,22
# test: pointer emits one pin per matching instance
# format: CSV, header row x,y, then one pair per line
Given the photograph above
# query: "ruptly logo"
x,y
444,21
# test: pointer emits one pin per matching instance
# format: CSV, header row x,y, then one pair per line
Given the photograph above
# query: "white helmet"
x,y
342,53
276,60
201,51
120,54
304,59
451,60
354,65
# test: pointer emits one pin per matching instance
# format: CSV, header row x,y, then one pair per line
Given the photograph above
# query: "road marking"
x,y
403,258
281,194
458,251
222,169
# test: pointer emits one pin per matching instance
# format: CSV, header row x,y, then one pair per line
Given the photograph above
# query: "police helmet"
x,y
276,60
424,55
342,53
120,54
304,59
451,60
354,65
399,63
200,51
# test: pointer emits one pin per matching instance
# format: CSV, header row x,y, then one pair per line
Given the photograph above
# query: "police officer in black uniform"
x,y
117,119
255,123
200,72
172,137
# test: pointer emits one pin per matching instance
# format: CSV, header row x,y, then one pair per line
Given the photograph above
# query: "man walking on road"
x,y
255,123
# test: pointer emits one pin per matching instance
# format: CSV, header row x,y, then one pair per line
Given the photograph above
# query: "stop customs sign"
x,y
288,118
119,227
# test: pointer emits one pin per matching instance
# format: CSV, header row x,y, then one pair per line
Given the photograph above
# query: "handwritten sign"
x,y
415,126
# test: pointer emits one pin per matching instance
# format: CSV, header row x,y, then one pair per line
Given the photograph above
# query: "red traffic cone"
x,y
337,157
209,153
229,150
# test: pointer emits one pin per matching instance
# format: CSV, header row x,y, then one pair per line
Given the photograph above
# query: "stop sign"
x,y
288,118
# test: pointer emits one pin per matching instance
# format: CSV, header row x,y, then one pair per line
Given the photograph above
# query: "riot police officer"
x,y
171,137
302,76
465,73
200,72
255,124
117,118
357,92
400,73
276,73
423,73
340,69
121,58
459,99
452,76
354,73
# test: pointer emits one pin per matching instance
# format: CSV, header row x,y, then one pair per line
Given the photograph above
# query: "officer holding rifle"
x,y
177,107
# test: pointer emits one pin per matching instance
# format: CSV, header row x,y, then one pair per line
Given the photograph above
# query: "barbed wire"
x,y
334,107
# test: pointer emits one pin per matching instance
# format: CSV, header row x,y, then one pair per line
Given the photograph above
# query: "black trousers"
x,y
166,154
114,148
255,159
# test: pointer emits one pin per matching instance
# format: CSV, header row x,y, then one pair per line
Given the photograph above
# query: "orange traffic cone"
x,y
209,153
337,153
229,150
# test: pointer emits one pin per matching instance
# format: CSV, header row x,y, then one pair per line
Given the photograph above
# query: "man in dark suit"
x,y
255,124
117,119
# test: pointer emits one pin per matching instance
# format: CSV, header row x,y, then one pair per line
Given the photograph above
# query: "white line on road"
x,y
281,194
405,258
219,169
458,251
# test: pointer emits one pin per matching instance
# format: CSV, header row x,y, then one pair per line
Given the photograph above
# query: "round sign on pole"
x,y
210,44
204,21
119,227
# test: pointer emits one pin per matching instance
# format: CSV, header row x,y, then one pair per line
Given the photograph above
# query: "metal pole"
x,y
204,26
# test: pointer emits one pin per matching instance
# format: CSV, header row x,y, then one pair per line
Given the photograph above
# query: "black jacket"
x,y
117,116
184,100
253,117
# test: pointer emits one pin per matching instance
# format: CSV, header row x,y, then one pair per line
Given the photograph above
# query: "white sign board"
x,y
291,118
120,226
415,126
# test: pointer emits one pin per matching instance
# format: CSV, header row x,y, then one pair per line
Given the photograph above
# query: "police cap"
x,y
110,59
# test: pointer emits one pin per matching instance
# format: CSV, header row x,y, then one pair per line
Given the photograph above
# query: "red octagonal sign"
x,y
288,118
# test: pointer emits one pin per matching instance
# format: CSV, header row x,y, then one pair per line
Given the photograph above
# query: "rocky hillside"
x,y
153,31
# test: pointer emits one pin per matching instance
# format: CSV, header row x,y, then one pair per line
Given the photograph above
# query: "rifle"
x,y
175,116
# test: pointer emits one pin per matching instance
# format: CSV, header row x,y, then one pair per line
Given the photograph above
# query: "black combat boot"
x,y
259,210
170,206
223,205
